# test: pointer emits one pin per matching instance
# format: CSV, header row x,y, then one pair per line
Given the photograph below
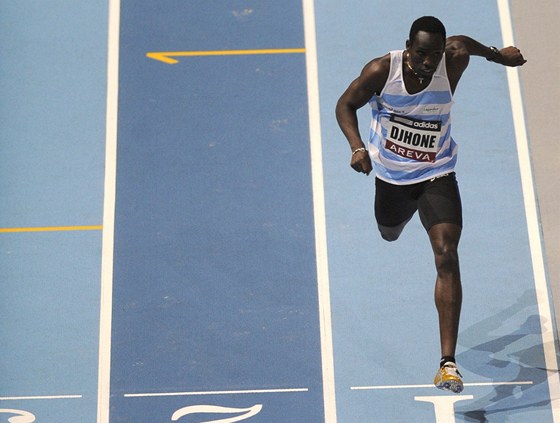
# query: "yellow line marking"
x,y
52,229
167,56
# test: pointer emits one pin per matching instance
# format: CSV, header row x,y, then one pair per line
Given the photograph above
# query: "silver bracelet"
x,y
495,53
358,149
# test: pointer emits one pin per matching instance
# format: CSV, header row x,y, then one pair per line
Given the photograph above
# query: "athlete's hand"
x,y
511,56
361,162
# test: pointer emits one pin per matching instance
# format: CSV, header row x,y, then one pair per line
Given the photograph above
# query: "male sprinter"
x,y
413,155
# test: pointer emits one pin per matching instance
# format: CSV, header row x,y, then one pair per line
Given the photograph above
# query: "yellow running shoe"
x,y
449,378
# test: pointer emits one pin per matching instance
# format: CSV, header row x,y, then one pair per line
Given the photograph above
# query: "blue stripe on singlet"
x,y
429,97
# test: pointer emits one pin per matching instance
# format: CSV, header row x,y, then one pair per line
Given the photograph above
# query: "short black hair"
x,y
427,24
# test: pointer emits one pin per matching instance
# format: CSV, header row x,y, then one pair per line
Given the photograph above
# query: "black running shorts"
x,y
437,201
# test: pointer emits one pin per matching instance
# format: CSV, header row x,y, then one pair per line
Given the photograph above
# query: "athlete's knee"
x,y
390,233
447,261
445,241
389,237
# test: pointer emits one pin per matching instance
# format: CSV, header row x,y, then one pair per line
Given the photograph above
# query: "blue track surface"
x,y
214,207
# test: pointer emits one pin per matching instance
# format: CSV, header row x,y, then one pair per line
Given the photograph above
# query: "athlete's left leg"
x,y
444,238
441,214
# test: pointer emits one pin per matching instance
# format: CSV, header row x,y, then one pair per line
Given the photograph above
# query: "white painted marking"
x,y
41,397
193,393
214,409
21,416
381,387
106,302
531,213
327,358
444,406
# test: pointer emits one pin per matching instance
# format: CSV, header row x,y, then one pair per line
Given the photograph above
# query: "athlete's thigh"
x,y
394,204
440,202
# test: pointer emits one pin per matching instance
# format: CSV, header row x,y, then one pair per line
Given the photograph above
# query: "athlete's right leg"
x,y
394,207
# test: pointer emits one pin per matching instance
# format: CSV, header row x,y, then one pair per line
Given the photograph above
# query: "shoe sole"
x,y
451,385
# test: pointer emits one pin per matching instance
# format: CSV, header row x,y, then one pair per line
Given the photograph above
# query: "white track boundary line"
x,y
249,391
531,213
106,300
329,397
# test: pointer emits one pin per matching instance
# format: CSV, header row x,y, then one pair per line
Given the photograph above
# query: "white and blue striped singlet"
x,y
410,135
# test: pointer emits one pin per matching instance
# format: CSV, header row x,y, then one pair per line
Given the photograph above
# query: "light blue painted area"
x,y
52,138
52,113
384,319
51,411
50,285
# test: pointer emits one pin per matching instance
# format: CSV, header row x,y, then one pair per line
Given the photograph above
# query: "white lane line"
x,y
106,298
41,397
383,387
535,241
194,393
329,400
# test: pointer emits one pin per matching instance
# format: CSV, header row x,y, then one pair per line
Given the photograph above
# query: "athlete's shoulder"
x,y
376,72
456,53
457,58
455,48
379,65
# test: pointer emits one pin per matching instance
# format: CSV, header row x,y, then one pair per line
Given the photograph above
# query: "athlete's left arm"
x,y
507,56
459,48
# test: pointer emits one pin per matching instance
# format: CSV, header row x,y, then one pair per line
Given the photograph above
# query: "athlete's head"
x,y
427,24
425,45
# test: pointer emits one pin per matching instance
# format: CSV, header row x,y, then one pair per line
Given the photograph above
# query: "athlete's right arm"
x,y
370,82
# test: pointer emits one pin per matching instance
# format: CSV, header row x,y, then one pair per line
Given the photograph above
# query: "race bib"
x,y
412,138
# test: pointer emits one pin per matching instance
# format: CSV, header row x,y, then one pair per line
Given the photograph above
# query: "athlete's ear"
x,y
407,44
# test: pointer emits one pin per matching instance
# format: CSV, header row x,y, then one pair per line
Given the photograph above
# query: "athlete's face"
x,y
425,52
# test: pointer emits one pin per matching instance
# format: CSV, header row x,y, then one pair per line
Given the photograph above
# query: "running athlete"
x,y
413,155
